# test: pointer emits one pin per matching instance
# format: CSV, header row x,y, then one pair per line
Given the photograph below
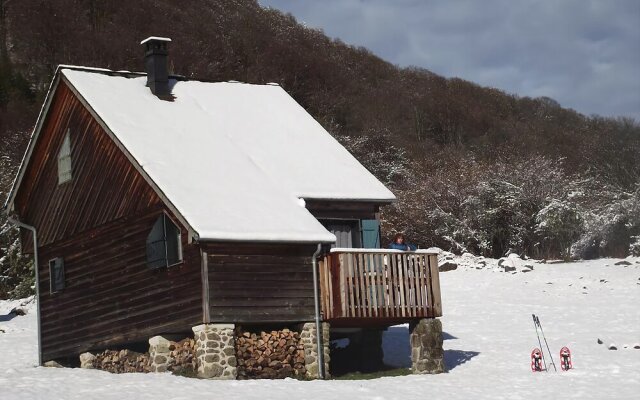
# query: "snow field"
x,y
489,335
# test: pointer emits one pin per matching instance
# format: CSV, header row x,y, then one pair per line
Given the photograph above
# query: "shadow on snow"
x,y
398,351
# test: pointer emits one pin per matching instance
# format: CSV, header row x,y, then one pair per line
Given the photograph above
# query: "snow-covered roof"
x,y
232,158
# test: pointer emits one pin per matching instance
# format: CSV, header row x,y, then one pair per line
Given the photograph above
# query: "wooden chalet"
x,y
155,203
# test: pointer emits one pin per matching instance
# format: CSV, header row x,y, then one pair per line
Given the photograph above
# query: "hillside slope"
x,y
436,142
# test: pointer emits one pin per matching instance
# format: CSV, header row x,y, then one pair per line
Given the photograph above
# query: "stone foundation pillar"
x,y
308,340
159,354
427,355
215,351
86,360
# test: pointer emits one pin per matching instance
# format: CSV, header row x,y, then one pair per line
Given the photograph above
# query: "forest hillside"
x,y
475,169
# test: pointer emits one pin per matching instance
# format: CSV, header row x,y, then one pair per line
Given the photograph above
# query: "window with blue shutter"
x,y
370,233
56,275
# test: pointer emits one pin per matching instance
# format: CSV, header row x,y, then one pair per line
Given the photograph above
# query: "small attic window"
x,y
164,247
56,275
64,160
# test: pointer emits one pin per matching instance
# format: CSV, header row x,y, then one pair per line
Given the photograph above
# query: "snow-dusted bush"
x,y
376,151
610,225
634,247
528,205
558,226
16,272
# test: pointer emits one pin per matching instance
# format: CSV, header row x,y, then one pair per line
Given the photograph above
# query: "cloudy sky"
x,y
583,53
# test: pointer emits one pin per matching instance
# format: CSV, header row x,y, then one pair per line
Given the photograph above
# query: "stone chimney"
x,y
155,64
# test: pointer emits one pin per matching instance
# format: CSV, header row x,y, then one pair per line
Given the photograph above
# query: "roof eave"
x,y
9,203
351,199
266,241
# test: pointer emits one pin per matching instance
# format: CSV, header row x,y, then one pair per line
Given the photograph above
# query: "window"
x,y
164,247
56,274
347,232
64,160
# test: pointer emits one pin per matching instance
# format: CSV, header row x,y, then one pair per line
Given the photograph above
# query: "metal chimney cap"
x,y
155,39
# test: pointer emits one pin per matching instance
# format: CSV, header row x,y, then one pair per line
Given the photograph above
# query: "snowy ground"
x,y
489,335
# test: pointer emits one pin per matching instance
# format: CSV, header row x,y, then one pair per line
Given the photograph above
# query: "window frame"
x,y
53,288
64,154
166,217
354,223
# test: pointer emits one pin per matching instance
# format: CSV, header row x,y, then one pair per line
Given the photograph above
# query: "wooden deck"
x,y
368,287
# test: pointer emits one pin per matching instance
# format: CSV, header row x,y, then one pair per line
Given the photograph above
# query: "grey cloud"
x,y
583,53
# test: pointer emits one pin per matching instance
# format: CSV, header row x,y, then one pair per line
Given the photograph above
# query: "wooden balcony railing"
x,y
382,284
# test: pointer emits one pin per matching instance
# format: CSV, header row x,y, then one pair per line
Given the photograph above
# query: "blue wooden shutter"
x,y
370,233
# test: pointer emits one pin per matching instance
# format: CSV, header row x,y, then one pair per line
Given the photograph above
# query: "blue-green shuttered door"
x,y
370,233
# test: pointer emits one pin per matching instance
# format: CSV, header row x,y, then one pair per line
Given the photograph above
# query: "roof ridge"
x,y
135,74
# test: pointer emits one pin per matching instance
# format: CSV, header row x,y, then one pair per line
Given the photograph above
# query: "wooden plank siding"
x,y
104,186
111,296
98,222
260,283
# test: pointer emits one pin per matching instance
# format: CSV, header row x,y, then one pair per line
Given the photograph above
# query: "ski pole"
x,y
535,325
545,342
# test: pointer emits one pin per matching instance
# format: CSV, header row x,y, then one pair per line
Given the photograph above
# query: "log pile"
x,y
121,361
269,355
182,355
182,360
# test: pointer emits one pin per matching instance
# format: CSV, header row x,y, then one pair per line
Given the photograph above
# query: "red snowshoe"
x,y
536,360
565,359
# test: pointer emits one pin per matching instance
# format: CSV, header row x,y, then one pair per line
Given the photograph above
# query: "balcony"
x,y
374,287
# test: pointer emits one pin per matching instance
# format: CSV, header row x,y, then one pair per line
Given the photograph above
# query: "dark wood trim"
x,y
328,209
206,308
258,248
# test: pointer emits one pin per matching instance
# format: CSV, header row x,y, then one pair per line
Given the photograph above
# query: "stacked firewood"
x,y
269,355
121,361
183,356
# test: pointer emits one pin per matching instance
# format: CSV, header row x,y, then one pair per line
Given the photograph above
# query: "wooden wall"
x,y
260,283
98,222
111,295
104,186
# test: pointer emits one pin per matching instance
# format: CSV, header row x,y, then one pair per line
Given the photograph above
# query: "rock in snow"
x,y
623,262
52,364
447,265
18,311
508,264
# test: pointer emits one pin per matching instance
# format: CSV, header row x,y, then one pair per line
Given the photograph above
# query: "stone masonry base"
x,y
427,355
215,351
308,339
159,354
